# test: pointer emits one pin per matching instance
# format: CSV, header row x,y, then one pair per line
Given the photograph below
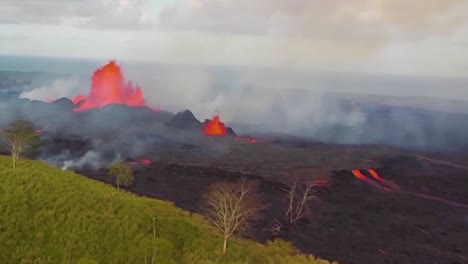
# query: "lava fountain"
x,y
108,86
215,127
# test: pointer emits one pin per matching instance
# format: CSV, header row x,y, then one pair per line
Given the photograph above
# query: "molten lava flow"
x,y
321,181
384,185
247,139
358,174
140,162
382,181
108,87
215,127
443,162
376,175
144,161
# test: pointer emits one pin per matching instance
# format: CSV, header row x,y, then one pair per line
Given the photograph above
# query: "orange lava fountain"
x,y
215,127
108,87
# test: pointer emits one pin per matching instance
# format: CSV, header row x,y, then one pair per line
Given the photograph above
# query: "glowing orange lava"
x,y
376,175
358,174
215,127
383,181
108,86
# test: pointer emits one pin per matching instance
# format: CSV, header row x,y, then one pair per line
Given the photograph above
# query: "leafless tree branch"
x,y
232,206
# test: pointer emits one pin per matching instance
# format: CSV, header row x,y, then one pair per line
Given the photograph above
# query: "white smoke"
x,y
89,159
277,100
254,100
55,89
93,158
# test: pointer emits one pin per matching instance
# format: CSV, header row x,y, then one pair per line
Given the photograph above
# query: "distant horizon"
x,y
101,61
85,67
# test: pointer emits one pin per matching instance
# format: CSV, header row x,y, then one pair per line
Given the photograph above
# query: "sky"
x,y
401,37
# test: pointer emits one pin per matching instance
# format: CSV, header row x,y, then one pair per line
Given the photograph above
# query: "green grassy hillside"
x,y
52,216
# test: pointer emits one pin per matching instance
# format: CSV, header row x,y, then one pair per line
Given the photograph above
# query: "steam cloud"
x,y
298,103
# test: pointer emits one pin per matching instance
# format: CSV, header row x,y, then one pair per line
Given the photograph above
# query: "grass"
x,y
52,216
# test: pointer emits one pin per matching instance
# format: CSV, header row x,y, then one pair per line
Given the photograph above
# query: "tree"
x,y
20,136
299,193
122,173
232,206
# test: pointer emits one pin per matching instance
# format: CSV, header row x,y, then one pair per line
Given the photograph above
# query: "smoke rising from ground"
x,y
282,102
54,90
66,160
91,159
297,103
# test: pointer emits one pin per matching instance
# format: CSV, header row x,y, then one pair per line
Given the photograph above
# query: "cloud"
x,y
12,37
371,23
90,14
418,37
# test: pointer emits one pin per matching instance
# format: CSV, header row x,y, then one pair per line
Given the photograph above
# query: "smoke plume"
x,y
54,90
312,105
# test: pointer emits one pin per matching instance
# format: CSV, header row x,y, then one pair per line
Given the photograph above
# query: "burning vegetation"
x,y
108,86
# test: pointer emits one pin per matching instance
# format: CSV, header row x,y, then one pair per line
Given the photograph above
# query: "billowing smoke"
x,y
67,155
299,103
260,100
55,89
91,159
66,160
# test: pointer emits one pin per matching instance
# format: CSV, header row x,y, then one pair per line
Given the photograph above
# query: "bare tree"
x,y
232,207
299,193
122,173
20,136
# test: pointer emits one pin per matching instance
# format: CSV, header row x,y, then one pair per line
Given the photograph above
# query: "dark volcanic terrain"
x,y
352,221
414,210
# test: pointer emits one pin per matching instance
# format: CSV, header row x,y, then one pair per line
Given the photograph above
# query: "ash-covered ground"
x,y
417,212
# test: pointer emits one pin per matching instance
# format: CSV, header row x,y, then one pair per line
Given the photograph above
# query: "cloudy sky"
x,y
411,37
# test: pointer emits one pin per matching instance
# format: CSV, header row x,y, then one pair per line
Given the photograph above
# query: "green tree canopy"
x,y
122,173
20,136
